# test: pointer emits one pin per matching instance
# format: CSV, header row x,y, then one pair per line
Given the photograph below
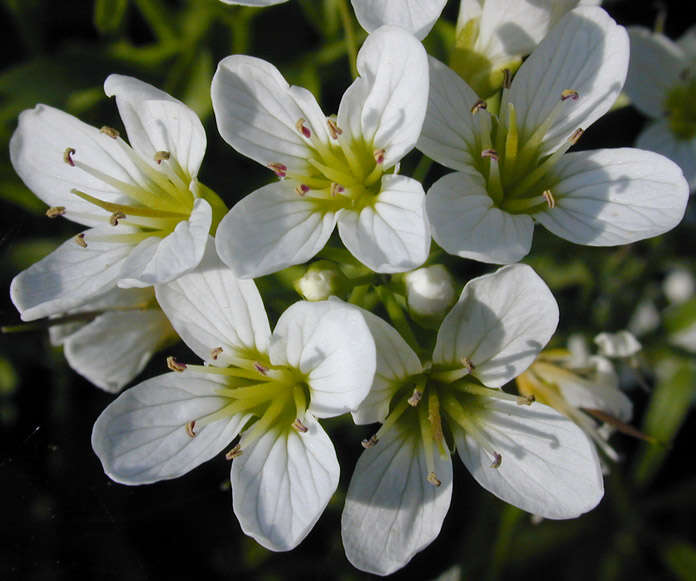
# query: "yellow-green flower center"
x,y
680,107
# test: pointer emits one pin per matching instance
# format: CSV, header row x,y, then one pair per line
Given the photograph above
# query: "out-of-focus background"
x,y
62,518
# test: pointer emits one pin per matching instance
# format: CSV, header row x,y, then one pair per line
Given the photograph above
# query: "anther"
x,y
336,189
370,442
468,364
55,211
67,156
415,398
490,153
301,189
569,94
497,460
575,137
110,131
334,129
480,104
160,156
279,169
189,428
507,78
175,365
215,353
433,479
262,369
115,217
379,156
550,200
80,239
233,453
526,399
300,427
302,128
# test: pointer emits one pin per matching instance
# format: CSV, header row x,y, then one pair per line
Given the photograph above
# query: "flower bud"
x,y
621,344
429,291
321,280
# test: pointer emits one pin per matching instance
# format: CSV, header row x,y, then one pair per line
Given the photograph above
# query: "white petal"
x,y
549,467
115,347
386,105
330,342
586,52
615,196
416,16
396,361
141,437
156,121
465,222
450,129
69,276
281,485
687,42
210,308
257,113
391,510
37,148
271,229
656,63
500,323
393,235
172,256
658,137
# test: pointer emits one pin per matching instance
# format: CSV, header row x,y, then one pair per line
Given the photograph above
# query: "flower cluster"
x,y
163,257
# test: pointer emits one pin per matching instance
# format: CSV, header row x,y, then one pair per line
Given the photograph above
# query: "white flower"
x,y
583,387
111,338
512,171
528,455
494,35
333,170
148,220
270,387
679,285
416,16
661,83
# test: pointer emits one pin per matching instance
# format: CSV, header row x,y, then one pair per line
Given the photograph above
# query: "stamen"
x,y
526,399
160,156
575,137
490,153
80,239
262,369
480,104
435,421
507,79
550,200
175,365
301,189
143,211
189,428
378,154
468,364
233,452
336,189
370,442
433,479
67,156
55,211
215,353
334,129
110,131
416,396
279,169
461,417
497,461
115,217
300,427
303,129
569,94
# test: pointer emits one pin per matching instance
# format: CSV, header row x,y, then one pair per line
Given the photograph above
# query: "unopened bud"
x,y
429,291
621,344
320,281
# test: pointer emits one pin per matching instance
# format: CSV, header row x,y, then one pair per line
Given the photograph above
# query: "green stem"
x,y
350,36
397,317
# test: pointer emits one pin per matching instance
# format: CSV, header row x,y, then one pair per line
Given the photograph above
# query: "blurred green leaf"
x,y
8,377
680,559
108,14
666,412
680,317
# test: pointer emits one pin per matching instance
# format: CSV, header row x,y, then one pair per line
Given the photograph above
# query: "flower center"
x,y
680,107
158,197
341,173
519,176
275,398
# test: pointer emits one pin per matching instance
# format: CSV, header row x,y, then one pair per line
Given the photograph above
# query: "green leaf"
x,y
666,413
680,559
108,14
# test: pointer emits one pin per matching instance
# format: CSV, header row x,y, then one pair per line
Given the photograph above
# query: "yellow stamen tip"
x,y
569,94
215,353
80,240
174,365
67,156
497,460
160,156
55,211
233,453
110,131
115,217
189,428
478,106
370,442
550,200
433,479
300,427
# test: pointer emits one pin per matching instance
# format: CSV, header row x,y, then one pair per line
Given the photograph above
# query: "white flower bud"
x,y
429,291
621,344
321,280
679,286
